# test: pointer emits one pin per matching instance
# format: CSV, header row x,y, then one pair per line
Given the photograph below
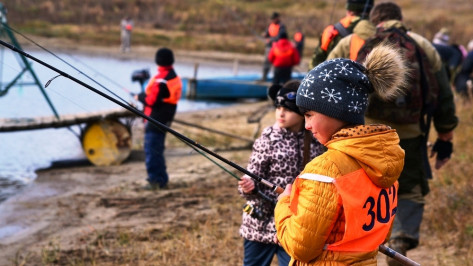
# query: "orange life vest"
x,y
298,36
175,89
273,29
330,32
128,27
356,43
369,210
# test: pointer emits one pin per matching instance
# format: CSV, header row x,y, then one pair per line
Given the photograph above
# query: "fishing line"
x,y
135,111
78,70
49,81
333,11
67,63
100,74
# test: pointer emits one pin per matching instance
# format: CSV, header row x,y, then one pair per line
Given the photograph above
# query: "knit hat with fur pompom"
x,y
339,88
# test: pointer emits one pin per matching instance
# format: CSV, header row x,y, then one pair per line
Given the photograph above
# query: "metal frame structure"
x,y
6,32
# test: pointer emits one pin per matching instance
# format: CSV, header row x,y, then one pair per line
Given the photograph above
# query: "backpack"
x,y
420,98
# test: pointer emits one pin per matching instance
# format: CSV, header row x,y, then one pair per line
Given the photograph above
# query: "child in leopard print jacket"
x,y
277,157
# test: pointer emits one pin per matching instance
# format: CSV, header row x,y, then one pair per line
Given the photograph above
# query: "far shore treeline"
x,y
230,25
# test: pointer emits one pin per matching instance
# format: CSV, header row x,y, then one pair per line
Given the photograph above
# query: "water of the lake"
x,y
23,152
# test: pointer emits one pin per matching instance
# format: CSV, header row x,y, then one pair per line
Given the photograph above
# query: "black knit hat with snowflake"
x,y
337,88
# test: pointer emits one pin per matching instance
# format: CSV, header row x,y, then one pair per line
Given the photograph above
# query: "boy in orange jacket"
x,y
341,207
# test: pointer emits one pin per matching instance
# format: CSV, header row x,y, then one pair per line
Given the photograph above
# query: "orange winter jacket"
x,y
311,221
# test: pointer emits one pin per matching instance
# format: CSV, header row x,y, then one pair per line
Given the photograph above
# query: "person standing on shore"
x,y
271,35
284,56
278,156
126,26
160,100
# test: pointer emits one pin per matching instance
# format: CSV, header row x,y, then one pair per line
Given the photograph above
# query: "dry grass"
x,y
448,223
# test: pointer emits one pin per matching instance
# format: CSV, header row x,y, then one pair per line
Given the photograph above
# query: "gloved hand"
x,y
444,150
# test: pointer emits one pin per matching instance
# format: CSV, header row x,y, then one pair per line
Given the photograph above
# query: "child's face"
x,y
322,127
288,119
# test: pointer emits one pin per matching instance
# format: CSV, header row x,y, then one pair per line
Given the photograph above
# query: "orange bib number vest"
x,y
273,29
369,210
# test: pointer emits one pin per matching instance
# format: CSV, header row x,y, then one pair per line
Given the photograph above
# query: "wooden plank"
x,y
18,124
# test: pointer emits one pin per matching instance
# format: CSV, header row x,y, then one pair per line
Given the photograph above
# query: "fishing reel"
x,y
141,76
253,211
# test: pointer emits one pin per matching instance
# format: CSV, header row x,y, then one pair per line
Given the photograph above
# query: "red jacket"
x,y
284,54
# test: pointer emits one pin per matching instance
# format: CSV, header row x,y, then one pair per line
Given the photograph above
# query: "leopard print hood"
x,y
277,157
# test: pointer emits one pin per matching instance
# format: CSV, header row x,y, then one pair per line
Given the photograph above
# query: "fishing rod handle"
x,y
275,188
397,256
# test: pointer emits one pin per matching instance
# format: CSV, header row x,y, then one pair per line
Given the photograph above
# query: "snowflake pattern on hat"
x,y
331,95
344,68
355,107
308,80
327,75
337,88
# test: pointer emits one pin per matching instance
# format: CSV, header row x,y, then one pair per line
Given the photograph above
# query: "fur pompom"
x,y
386,70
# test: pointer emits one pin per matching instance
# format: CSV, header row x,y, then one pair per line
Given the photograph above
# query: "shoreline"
x,y
228,59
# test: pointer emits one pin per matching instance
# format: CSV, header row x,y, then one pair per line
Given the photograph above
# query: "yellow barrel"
x,y
106,142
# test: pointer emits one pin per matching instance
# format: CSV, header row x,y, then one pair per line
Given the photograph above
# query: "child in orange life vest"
x,y
277,157
341,206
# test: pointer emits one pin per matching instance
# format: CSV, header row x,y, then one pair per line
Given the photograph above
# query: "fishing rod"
x,y
155,122
387,251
